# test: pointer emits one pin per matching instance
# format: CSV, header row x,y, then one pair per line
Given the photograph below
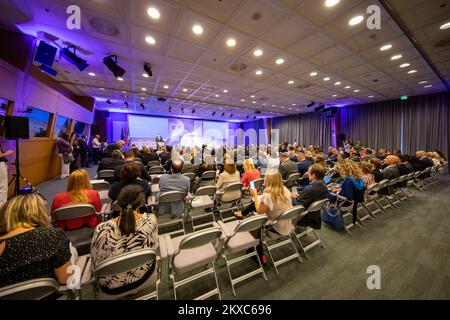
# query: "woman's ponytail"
x,y
127,221
130,199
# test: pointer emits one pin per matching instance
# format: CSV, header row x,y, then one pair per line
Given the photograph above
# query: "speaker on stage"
x,y
16,128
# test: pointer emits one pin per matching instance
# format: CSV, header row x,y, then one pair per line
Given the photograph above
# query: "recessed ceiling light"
x,y
386,47
253,101
242,100
294,104
337,83
355,20
145,75
252,96
91,74
124,92
258,72
144,89
313,74
166,87
331,3
428,86
142,98
257,53
279,61
422,82
216,96
185,90
326,79
153,13
119,78
150,40
291,82
197,29
231,42
334,95
274,105
396,57
412,71
445,26
348,87
404,65
102,89
282,107
356,90
370,97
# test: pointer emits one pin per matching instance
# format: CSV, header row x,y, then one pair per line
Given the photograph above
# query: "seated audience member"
x,y
434,157
188,166
111,163
369,155
391,170
29,247
292,154
404,168
228,176
129,157
377,169
321,161
129,174
333,155
303,164
173,182
287,166
79,191
315,191
147,155
107,152
250,173
382,154
352,187
128,232
368,177
165,154
208,165
424,162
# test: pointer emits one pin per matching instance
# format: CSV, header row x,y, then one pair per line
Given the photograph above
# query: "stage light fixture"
x,y
231,115
319,108
108,102
126,104
142,106
254,118
223,114
213,114
248,117
182,110
72,57
111,63
311,104
193,110
148,69
170,109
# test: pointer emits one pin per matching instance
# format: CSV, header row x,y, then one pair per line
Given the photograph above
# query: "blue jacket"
x,y
348,187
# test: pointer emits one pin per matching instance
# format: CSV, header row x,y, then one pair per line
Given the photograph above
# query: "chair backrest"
x,y
383,183
171,196
153,163
372,188
206,191
393,182
125,262
73,211
34,289
208,175
291,213
318,205
233,187
258,183
200,238
293,177
190,175
100,185
251,223
156,170
102,174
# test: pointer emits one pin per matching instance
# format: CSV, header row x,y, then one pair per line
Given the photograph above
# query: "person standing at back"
x,y
4,175
96,148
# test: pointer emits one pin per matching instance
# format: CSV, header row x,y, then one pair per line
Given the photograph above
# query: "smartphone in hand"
x,y
252,185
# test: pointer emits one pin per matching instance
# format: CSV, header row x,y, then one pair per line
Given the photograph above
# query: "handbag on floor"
x,y
333,218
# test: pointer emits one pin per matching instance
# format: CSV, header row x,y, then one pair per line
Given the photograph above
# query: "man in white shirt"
x,y
96,145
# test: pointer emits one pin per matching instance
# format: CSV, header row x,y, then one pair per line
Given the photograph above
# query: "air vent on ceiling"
x,y
104,26
47,36
304,86
341,98
238,66
443,43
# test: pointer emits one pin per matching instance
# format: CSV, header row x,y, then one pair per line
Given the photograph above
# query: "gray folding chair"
x,y
319,205
102,186
35,289
194,251
237,239
233,203
259,184
156,170
272,240
381,200
201,207
107,175
346,209
208,178
153,163
392,197
80,238
125,262
370,203
292,180
172,219
191,176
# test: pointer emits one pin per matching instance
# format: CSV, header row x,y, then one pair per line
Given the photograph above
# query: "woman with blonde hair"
x,y
367,169
228,176
250,173
79,191
29,248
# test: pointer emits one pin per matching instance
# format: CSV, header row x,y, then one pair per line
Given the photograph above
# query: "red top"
x,y
63,199
250,175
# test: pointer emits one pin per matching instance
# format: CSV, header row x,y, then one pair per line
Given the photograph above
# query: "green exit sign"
x,y
404,98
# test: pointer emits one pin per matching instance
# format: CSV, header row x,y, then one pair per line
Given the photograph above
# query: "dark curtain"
x,y
307,128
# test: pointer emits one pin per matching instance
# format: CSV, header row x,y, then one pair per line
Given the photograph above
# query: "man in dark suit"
x,y
129,157
287,166
390,172
315,191
147,155
165,155
111,163
158,138
303,164
424,162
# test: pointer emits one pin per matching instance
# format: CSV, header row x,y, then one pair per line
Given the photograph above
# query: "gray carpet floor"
x,y
410,245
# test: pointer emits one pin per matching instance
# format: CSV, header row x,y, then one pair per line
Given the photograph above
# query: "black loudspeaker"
x,y
45,54
16,128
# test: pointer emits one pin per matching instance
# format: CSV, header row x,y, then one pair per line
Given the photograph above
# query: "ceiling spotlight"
x,y
370,97
185,90
166,87
396,57
111,63
242,100
355,20
144,89
348,87
145,75
252,96
313,74
291,82
153,13
253,102
119,78
150,40
103,89
258,72
404,65
445,26
337,83
412,71
428,86
331,3
72,57
356,90
197,29
91,74
326,79
423,82
148,69
334,95
279,61
231,42
386,47
257,53
216,96
225,91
